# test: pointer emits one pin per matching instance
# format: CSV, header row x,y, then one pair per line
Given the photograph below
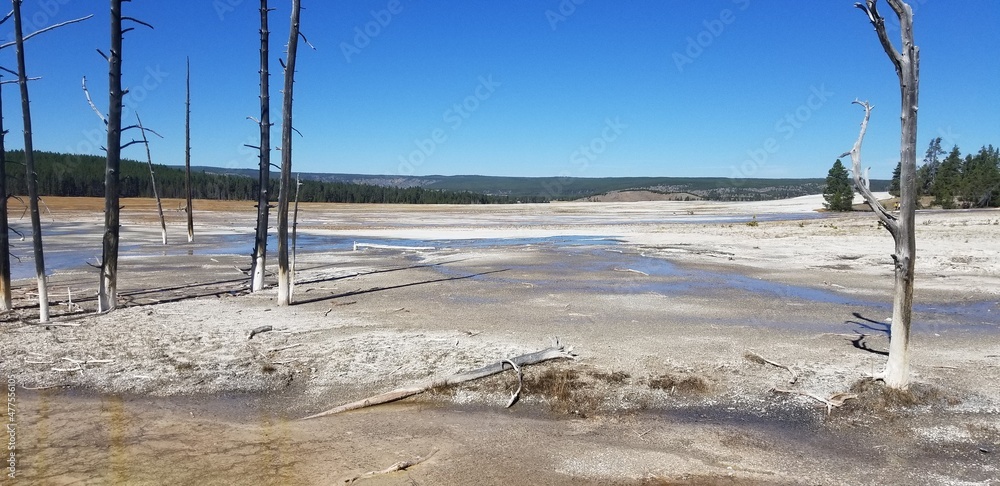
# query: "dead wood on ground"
x,y
756,358
555,352
399,466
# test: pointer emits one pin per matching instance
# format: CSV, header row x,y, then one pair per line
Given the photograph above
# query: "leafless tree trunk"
x,y
907,64
5,299
264,178
107,293
187,155
22,80
152,177
29,170
284,272
295,225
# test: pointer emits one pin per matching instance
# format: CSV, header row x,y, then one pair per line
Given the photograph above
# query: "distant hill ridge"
x,y
571,188
83,175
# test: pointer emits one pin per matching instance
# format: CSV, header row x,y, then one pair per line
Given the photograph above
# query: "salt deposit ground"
x,y
666,305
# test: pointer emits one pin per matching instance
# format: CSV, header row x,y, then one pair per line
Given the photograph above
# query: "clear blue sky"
x,y
538,81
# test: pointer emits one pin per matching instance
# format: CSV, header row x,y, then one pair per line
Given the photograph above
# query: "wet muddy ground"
x,y
71,438
171,391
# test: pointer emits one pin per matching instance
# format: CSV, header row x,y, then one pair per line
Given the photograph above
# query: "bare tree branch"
x,y
133,19
878,22
51,27
14,81
91,102
884,216
131,143
152,175
864,8
303,36
142,128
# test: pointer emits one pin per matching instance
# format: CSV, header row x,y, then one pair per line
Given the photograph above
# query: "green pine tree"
x,y
894,183
839,192
980,182
928,172
947,180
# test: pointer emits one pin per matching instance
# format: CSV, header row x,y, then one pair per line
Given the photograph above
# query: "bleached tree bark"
x,y
187,154
29,170
906,61
284,272
264,148
295,225
152,177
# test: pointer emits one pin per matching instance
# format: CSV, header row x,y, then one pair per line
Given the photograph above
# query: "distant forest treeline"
x,y
954,181
572,188
83,175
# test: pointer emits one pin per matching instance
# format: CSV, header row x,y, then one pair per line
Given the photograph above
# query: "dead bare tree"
x,y
152,175
907,64
108,286
264,148
187,156
107,293
6,303
5,299
284,272
295,224
31,176
29,171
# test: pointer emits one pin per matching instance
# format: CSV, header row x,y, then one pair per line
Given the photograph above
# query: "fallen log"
x,y
756,358
399,466
259,330
835,400
555,352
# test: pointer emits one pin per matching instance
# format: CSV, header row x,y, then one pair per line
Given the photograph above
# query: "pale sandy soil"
x,y
661,319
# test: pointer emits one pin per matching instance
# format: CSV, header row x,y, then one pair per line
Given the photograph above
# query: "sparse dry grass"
x,y
564,390
686,385
877,399
614,378
554,384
